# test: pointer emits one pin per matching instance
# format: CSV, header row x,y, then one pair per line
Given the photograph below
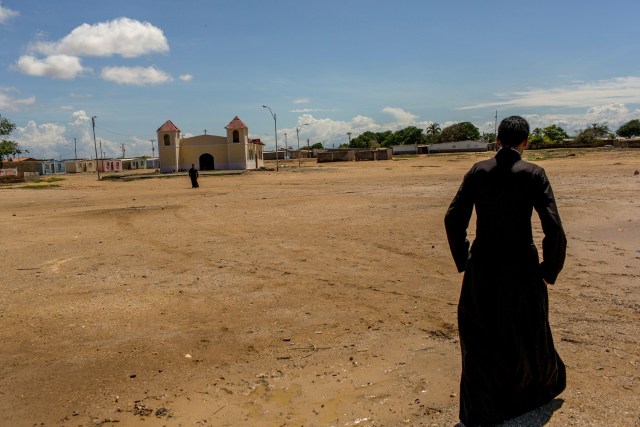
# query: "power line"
x,y
117,133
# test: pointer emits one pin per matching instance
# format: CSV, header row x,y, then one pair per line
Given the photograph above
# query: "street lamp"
x,y
298,137
275,131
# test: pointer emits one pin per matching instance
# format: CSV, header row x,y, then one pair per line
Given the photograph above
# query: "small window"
x,y
236,136
166,140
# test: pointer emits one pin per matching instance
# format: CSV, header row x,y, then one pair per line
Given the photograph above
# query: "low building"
x,y
152,163
410,149
459,146
20,168
80,166
110,165
52,167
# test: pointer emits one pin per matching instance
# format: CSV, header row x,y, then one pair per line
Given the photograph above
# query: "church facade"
x,y
235,151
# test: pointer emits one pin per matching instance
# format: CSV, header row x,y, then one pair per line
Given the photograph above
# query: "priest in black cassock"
x,y
509,363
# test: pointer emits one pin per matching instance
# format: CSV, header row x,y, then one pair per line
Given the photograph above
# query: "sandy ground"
x,y
318,296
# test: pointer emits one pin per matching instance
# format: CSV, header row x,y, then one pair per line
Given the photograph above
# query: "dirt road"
x,y
324,295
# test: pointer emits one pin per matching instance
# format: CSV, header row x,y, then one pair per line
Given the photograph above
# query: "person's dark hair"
x,y
512,131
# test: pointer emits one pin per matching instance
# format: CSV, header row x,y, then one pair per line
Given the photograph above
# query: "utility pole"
x,y
153,153
495,127
286,147
75,151
93,122
349,133
122,145
275,131
298,138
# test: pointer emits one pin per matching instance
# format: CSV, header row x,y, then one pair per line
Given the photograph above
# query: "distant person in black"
x,y
193,174
509,363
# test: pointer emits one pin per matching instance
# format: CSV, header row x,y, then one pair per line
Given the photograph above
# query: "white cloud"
x,y
56,66
80,118
618,90
400,115
186,77
52,140
6,14
301,101
126,37
613,115
64,141
137,76
10,103
42,141
333,133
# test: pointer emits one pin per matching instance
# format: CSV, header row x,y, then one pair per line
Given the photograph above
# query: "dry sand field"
x,y
316,296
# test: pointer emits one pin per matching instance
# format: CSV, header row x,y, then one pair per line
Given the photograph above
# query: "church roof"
x,y
168,126
236,123
256,141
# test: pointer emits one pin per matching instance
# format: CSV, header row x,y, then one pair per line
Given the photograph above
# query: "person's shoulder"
x,y
484,165
533,167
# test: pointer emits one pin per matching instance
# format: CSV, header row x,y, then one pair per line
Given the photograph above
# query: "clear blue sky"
x,y
340,66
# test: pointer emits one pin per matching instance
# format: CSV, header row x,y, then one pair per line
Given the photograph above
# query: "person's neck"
x,y
519,148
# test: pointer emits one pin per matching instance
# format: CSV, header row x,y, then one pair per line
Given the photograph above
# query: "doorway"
x,y
206,162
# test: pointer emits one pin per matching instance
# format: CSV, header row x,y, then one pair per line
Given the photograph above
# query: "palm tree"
x,y
433,129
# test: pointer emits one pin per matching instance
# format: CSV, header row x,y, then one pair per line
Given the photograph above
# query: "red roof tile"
x,y
168,126
236,123
256,141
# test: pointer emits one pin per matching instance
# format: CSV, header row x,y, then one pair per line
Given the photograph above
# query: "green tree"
x,y
555,133
317,145
7,147
463,131
408,136
488,137
433,129
536,137
6,127
595,132
389,139
629,129
370,139
548,136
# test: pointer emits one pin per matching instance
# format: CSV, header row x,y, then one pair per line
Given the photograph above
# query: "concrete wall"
x,y
409,149
386,154
337,156
459,146
73,166
271,155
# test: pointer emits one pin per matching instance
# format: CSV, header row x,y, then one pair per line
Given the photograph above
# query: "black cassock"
x,y
509,363
193,174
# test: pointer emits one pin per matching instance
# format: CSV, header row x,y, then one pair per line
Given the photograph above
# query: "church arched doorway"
x,y
206,162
